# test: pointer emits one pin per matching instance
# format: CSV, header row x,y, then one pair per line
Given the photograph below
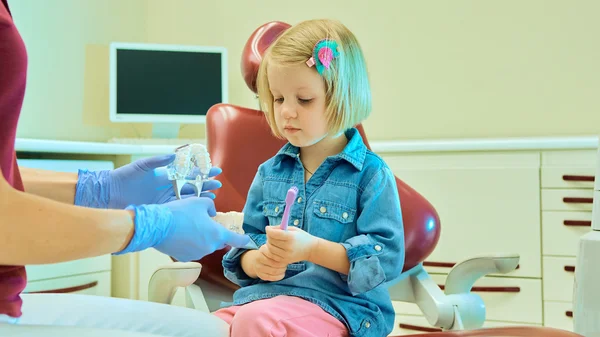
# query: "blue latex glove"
x,y
144,181
182,229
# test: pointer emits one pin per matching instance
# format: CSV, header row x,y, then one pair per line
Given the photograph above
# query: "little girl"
x,y
326,274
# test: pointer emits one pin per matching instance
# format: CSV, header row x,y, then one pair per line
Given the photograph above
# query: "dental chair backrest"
x,y
239,140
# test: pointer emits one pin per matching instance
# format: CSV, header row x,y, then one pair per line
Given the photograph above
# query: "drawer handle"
x,y
577,223
418,328
67,290
491,289
445,264
570,269
567,177
578,200
438,264
569,313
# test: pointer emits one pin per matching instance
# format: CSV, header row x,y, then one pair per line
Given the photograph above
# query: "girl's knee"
x,y
253,319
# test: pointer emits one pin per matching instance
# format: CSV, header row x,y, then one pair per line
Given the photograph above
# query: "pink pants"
x,y
281,316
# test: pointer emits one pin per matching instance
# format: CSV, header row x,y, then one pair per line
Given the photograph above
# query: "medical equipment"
x,y
190,166
292,193
586,290
139,96
231,220
234,221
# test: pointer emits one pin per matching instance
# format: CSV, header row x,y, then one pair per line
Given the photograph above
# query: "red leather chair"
x,y
239,140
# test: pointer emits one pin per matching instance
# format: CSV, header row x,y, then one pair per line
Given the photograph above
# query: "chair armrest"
x,y
457,308
194,299
416,286
166,279
463,275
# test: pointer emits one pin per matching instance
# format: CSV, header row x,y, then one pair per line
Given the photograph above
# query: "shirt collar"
x,y
354,152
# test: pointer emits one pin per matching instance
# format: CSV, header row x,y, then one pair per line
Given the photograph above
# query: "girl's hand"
x,y
289,246
266,268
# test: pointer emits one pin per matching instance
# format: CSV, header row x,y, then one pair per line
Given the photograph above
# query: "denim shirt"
x,y
352,199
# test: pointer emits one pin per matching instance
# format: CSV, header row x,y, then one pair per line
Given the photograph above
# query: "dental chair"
x,y
239,140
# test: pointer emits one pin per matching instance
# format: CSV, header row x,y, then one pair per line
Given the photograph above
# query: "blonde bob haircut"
x,y
348,92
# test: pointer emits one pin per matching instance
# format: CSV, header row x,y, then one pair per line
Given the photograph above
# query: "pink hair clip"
x,y
323,53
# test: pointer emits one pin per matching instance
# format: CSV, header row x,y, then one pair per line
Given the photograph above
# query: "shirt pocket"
x,y
332,220
294,269
273,210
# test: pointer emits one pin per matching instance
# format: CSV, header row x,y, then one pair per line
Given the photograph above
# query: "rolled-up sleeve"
x,y
376,254
254,225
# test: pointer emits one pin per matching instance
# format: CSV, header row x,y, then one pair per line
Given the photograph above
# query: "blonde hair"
x,y
348,92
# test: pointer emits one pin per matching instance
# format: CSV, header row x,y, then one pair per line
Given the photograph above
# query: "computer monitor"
x,y
166,85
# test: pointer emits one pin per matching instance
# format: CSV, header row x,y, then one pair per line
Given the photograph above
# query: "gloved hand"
x,y
144,181
182,229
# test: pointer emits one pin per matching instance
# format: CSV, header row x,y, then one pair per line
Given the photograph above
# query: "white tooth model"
x,y
586,292
191,166
234,221
231,220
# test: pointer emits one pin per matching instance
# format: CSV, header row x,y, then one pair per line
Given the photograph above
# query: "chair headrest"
x,y
256,46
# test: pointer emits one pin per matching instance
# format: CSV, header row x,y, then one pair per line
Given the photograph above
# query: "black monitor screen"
x,y
167,82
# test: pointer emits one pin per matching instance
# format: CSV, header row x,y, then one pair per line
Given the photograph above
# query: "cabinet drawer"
x,y
506,299
559,275
558,315
569,159
481,209
568,177
409,325
561,231
82,266
567,200
90,284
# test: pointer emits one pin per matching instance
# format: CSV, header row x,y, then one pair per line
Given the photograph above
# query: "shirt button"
x,y
323,209
299,199
296,222
367,325
276,208
345,215
377,247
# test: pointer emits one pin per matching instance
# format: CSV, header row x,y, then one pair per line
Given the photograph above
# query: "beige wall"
x,y
438,68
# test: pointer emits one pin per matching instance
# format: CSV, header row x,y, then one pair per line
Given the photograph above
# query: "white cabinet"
x,y
87,276
559,275
561,231
558,314
567,196
487,203
89,284
534,203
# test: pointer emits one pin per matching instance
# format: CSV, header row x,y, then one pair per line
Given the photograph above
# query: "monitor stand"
x,y
165,130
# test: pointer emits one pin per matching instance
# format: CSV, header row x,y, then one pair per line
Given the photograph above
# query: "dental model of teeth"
x,y
191,166
231,220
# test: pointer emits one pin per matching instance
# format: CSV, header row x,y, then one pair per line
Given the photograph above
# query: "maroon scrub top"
x,y
13,73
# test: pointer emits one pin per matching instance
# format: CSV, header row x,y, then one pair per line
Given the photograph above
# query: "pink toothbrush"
x,y
289,201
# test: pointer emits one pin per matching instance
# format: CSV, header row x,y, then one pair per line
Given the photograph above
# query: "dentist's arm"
x,y
35,230
58,186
